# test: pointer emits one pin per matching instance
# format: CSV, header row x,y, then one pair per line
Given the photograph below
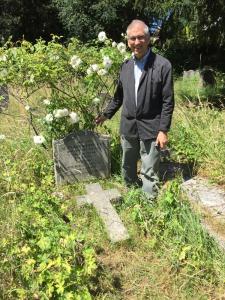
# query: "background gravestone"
x,y
189,73
207,77
81,155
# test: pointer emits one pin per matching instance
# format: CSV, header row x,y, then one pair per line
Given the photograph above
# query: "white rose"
x,y
38,139
102,36
75,61
74,118
107,62
49,118
46,102
60,113
94,67
121,47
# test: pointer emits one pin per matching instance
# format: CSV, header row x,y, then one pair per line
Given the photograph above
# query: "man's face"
x,y
138,41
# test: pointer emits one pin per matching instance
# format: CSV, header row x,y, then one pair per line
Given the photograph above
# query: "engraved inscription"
x,y
81,155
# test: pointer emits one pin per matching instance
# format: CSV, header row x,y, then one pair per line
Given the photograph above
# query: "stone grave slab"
x,y
81,155
100,199
212,199
209,196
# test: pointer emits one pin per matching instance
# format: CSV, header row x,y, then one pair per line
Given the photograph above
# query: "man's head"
x,y
138,38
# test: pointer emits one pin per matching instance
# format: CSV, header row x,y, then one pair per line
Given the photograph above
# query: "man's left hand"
x,y
162,139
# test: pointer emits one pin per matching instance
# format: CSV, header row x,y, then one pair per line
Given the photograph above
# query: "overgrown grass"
x,y
197,135
169,255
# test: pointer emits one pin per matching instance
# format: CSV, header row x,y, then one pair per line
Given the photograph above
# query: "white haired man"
x,y
145,92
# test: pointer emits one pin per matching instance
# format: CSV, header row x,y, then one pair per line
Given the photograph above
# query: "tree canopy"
x,y
30,19
190,29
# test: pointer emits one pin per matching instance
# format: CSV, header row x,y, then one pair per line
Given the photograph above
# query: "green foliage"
x,y
75,81
40,242
49,257
34,163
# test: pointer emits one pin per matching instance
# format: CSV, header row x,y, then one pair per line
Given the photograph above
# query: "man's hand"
x,y
162,139
100,120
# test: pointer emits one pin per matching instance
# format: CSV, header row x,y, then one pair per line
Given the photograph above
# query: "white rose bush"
x,y
58,89
74,81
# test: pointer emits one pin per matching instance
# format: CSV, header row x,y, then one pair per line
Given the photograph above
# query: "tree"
x,y
86,18
30,19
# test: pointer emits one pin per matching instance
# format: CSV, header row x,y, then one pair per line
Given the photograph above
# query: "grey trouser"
x,y
133,150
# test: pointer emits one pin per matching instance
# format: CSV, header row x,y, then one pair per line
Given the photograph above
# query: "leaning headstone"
x,y
101,201
81,155
4,97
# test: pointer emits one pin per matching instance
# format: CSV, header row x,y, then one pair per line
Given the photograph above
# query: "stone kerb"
x,y
80,156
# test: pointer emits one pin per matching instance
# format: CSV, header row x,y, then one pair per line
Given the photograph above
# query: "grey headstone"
x,y
101,201
189,73
81,155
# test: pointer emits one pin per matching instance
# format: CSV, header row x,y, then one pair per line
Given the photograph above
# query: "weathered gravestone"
x,y
208,196
212,200
189,74
81,155
207,77
101,201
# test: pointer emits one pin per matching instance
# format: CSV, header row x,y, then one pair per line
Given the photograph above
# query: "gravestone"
x,y
211,199
4,100
81,155
189,73
207,77
101,201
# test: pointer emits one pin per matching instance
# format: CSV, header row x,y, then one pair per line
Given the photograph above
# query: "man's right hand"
x,y
100,120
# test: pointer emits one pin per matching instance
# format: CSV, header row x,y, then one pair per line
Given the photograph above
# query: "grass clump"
x,y
197,137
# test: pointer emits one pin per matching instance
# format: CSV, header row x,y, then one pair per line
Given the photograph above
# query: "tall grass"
x,y
197,135
169,256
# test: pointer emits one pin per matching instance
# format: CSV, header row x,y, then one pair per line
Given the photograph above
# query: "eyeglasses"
x,y
138,37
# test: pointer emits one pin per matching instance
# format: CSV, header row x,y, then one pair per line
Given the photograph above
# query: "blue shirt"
x,y
138,68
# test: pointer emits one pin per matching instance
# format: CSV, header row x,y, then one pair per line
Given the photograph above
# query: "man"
x,y
145,92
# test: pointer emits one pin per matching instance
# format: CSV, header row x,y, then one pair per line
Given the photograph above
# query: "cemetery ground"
x,y
50,249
